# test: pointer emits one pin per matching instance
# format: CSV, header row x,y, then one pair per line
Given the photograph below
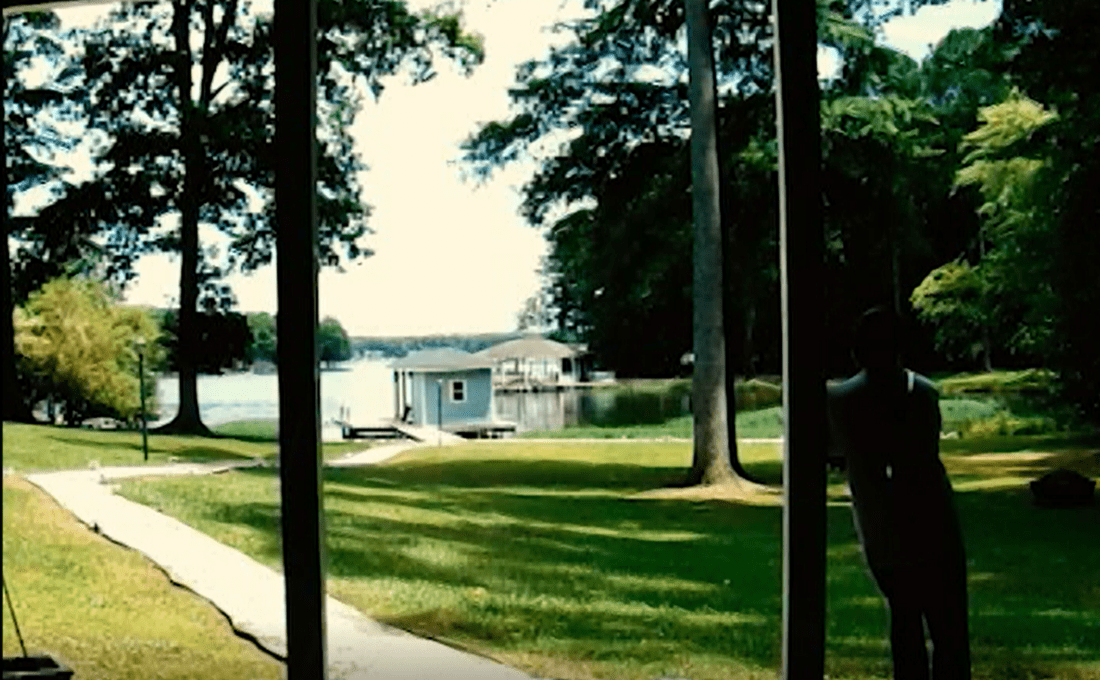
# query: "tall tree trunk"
x,y
711,453
15,407
188,419
748,347
737,340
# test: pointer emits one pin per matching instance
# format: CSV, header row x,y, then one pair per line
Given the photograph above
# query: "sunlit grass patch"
x,y
547,557
30,448
996,382
105,611
260,430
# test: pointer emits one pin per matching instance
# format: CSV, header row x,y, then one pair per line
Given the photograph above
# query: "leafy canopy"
x,y
81,347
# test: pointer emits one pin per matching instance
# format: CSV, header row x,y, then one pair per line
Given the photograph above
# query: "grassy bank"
x,y
764,423
103,610
29,448
967,417
552,557
1000,403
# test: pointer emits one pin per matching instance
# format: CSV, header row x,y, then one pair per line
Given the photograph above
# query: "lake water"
x,y
365,388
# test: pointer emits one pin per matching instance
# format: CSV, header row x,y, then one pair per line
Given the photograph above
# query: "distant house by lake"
x,y
534,362
446,387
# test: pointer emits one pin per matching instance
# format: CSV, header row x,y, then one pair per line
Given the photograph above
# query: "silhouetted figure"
x,y
885,422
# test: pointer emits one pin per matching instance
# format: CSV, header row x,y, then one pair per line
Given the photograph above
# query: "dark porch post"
x,y
299,390
801,260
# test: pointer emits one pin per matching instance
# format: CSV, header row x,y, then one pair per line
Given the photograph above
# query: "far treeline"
x,y
232,341
960,190
401,345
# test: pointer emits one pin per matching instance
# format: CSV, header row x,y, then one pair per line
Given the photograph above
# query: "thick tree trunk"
x,y
15,407
188,419
736,325
711,453
748,347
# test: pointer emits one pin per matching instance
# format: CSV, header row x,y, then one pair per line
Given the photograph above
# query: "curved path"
x,y
250,594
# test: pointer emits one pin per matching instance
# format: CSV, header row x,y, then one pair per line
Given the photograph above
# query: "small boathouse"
x,y
449,389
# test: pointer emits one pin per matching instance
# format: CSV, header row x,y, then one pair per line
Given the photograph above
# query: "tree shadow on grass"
x,y
197,453
573,561
516,553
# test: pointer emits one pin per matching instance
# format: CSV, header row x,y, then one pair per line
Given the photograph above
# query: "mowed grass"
x,y
31,448
105,611
553,558
766,423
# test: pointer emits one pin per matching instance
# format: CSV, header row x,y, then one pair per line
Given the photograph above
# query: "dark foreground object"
x,y
1063,489
36,668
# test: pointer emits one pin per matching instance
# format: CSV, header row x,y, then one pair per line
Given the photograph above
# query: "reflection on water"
x,y
366,389
584,406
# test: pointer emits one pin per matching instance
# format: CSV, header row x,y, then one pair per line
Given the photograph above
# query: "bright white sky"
x,y
452,257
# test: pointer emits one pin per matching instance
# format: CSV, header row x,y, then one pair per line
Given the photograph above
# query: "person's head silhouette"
x,y
875,341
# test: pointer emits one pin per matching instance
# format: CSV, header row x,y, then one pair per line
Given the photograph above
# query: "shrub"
x,y
77,347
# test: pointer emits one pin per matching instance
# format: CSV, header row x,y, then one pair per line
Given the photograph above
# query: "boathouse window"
x,y
458,391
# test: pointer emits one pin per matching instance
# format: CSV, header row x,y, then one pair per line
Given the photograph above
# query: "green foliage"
x,y
46,111
224,340
619,265
79,348
1006,180
264,338
950,300
332,341
1006,299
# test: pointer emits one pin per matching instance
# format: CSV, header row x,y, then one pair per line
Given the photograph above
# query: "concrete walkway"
x,y
250,594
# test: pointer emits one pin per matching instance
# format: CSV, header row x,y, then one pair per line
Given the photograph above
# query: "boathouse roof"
x,y
530,347
441,359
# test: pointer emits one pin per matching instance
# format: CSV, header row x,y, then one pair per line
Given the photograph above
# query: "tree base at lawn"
x,y
735,490
184,425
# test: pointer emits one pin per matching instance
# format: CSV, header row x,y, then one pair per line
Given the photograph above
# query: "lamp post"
x,y
140,344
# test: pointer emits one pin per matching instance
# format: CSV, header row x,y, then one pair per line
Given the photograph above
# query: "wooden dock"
x,y
349,431
484,429
396,430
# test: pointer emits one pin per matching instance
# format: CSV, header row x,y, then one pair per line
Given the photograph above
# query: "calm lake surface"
x,y
365,387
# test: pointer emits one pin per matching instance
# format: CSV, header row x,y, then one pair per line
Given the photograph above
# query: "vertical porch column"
x,y
801,262
299,385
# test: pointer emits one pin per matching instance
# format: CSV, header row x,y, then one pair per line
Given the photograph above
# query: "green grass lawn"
x,y
546,556
766,423
965,414
29,448
972,405
104,610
